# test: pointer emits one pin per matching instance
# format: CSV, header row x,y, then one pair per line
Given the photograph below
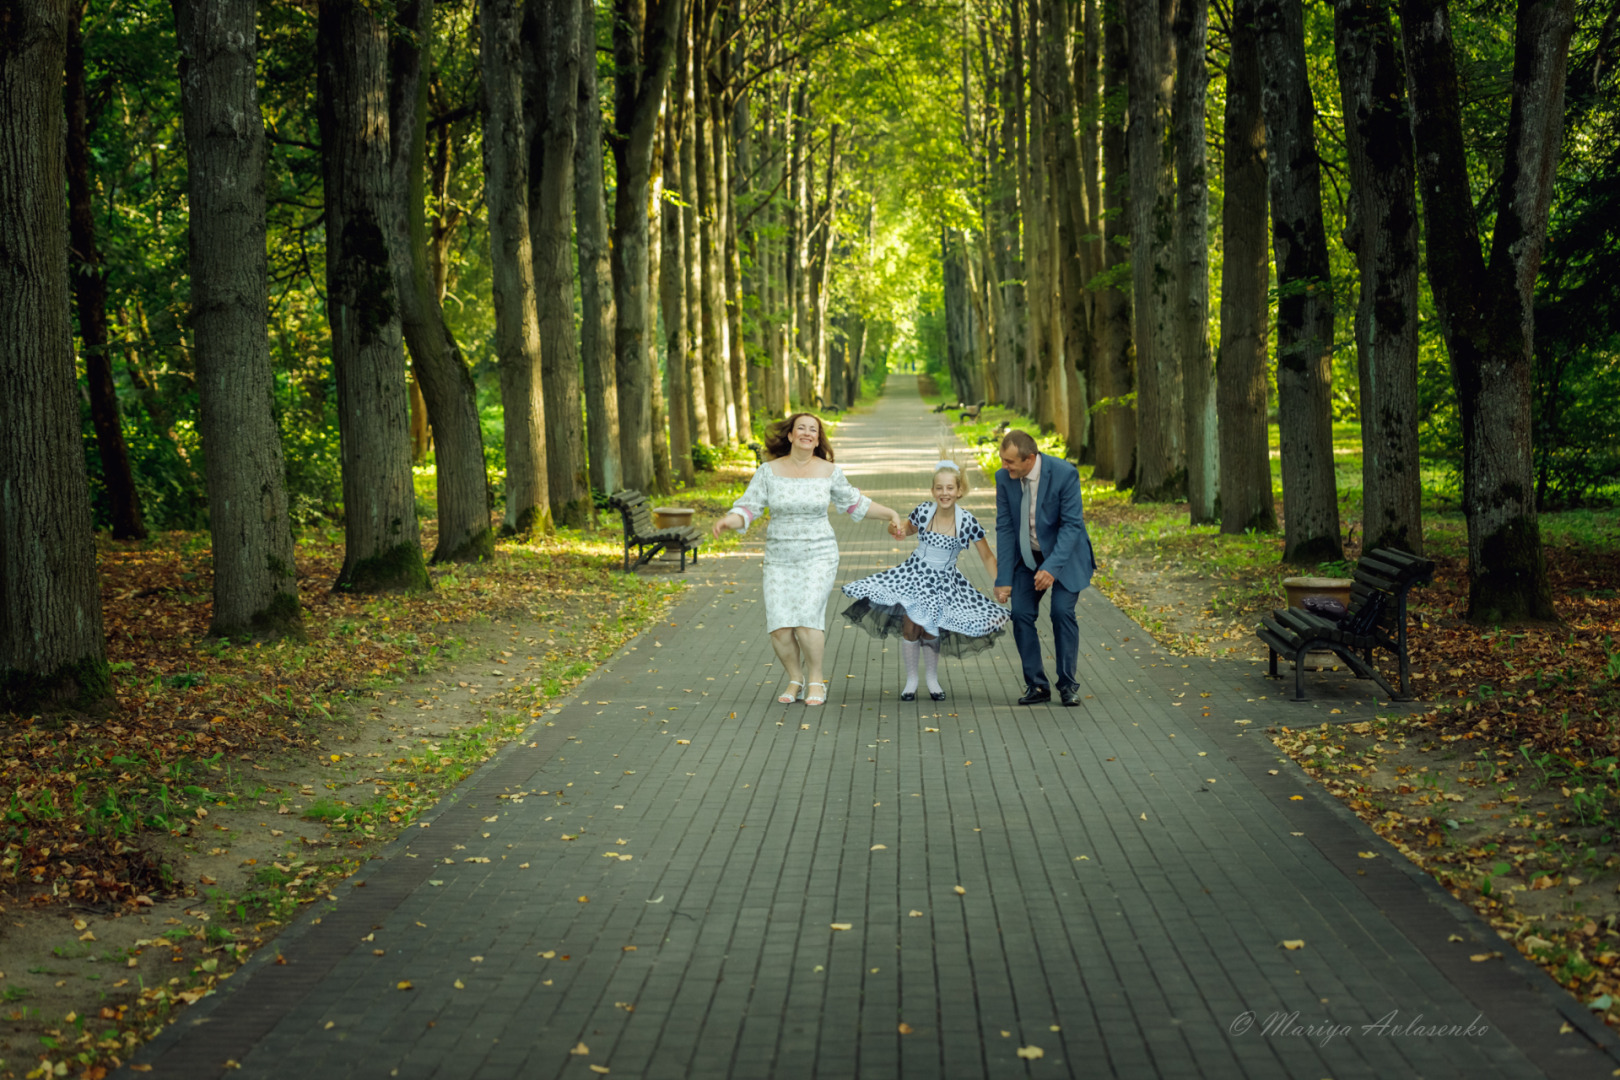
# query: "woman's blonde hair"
x,y
946,465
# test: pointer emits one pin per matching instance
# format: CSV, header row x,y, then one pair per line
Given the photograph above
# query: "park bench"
x,y
1376,619
647,539
971,412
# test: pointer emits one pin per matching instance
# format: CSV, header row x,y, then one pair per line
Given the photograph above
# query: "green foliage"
x,y
704,457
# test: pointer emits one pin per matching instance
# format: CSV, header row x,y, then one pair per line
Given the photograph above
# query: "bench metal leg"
x,y
1299,672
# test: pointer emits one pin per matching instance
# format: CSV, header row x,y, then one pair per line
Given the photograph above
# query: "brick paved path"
x,y
1129,870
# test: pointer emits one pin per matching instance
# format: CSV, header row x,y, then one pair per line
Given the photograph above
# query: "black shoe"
x,y
908,695
1035,695
1070,696
940,696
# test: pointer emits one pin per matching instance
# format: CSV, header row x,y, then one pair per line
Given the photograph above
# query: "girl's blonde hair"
x,y
946,465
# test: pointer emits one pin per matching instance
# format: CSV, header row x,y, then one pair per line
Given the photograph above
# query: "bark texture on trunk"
x,y
1116,365
1305,289
1382,230
517,324
552,74
700,416
644,39
598,314
663,479
1242,383
90,293
382,546
1486,309
1161,456
255,586
672,301
1190,29
52,653
711,302
442,380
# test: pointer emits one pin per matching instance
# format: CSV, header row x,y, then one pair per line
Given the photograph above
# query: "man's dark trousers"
x,y
1026,605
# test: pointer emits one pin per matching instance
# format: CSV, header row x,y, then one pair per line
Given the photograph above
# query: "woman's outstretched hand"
x,y
720,525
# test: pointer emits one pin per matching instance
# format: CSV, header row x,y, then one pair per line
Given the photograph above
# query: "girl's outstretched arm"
x,y
987,557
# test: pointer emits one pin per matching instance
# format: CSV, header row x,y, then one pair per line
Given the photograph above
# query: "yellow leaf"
x,y
1293,943
580,1050
904,1028
683,742
1366,855
584,899
960,891
1296,798
915,914
1031,1053
460,985
843,926
880,847
405,984
547,955
476,959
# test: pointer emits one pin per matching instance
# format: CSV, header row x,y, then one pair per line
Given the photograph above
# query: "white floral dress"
x,y
801,553
929,590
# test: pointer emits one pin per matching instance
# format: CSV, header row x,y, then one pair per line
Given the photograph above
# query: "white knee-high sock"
x,y
908,650
931,660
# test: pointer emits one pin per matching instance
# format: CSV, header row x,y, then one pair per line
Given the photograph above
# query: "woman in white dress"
x,y
798,483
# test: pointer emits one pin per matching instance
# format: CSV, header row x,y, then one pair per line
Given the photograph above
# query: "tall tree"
x,y
90,294
712,303
1304,287
1190,29
1242,383
1161,456
517,325
672,301
1486,307
644,38
595,271
382,547
442,379
552,62
1116,442
51,647
255,587
1383,232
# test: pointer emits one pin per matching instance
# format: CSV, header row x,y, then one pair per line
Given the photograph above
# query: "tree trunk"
x,y
1191,29
1116,442
52,653
90,292
551,71
442,382
663,480
1242,381
672,299
1161,458
1074,223
1304,289
255,586
595,272
823,234
517,325
712,310
421,433
382,547
702,418
1382,231
644,38
731,268
1486,309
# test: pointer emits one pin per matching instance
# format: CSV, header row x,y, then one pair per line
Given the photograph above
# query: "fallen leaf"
x,y
1366,855
880,847
405,984
580,1050
904,1028
547,955
476,959
843,926
584,899
330,1024
460,985
915,914
1293,943
959,891
1031,1053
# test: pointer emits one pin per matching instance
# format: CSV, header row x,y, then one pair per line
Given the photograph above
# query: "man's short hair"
x,y
1021,441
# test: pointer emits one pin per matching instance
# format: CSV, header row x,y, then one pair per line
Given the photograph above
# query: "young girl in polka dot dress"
x,y
926,601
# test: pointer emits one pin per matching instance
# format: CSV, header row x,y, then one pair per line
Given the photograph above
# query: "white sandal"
x,y
790,697
811,699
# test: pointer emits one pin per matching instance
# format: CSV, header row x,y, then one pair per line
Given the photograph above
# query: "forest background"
x,y
508,258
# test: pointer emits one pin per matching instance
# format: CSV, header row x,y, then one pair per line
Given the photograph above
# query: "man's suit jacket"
x,y
1060,525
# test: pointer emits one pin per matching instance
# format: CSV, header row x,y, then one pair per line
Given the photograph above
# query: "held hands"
x,y
897,528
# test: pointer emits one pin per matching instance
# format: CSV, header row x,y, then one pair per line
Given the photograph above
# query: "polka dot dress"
x,y
929,589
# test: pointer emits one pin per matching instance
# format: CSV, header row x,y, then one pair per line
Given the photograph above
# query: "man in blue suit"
x,y
1042,547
